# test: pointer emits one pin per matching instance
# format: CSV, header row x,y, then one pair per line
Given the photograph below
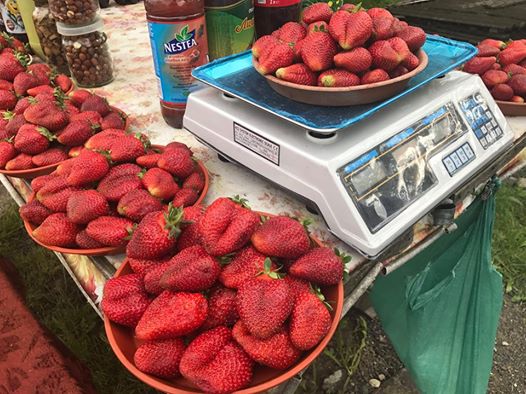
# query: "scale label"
x,y
256,143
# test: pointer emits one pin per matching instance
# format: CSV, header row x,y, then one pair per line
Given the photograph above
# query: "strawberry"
x,y
338,78
64,169
11,66
297,52
317,12
494,77
411,62
153,275
84,241
142,267
32,139
7,100
7,153
487,50
297,285
414,37
479,65
86,205
97,104
263,45
177,162
321,266
87,167
377,12
400,47
297,73
310,320
160,358
56,230
515,44
276,352
91,116
149,160
398,71
78,97
399,25
190,235
191,270
350,30
22,104
517,99
128,148
76,133
194,181
34,212
113,120
318,50
226,226
40,89
55,194
160,183
105,140
48,157
47,115
290,33
317,27
19,162
382,28
215,363
513,69
75,151
384,55
115,186
156,234
18,45
40,181
222,310
23,82
63,82
374,76
502,92
245,265
15,121
512,56
281,55
110,230
137,203
171,315
174,146
124,300
41,71
264,303
185,198
5,85
517,83
281,236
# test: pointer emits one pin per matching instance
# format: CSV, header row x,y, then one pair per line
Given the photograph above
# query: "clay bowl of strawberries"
x,y
235,301
351,56
91,203
502,67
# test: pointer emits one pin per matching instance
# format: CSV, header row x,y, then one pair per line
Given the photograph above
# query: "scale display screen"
x,y
388,178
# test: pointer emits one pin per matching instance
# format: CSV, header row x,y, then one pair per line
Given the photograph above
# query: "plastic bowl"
x,y
346,96
124,344
512,109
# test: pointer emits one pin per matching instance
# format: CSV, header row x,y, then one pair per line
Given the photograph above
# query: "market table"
x,y
134,91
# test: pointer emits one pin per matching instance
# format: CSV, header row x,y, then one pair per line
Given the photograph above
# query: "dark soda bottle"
x,y
270,15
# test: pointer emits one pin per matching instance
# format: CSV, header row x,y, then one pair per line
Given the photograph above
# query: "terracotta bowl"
x,y
31,172
512,109
124,344
343,97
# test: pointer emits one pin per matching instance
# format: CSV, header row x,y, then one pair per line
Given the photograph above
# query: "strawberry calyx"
x,y
141,173
46,133
22,58
105,153
267,270
172,220
60,97
130,231
226,259
345,258
10,139
7,37
146,143
317,292
8,115
95,127
240,201
32,100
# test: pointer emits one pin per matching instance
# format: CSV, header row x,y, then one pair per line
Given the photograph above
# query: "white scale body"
x,y
373,180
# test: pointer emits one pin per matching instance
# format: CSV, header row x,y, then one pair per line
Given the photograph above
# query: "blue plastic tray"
x,y
236,76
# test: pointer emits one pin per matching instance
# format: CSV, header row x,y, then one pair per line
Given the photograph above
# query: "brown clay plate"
x,y
512,109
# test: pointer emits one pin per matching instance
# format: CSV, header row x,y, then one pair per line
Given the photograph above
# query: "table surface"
x,y
134,91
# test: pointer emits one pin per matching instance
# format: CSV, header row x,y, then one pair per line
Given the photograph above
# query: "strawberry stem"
x,y
317,292
46,133
172,219
241,201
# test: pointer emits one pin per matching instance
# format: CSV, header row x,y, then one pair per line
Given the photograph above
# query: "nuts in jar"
x,y
74,12
87,54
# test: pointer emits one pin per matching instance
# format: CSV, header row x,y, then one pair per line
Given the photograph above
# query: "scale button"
x,y
462,155
493,123
467,150
483,142
455,159
449,165
498,131
490,138
484,130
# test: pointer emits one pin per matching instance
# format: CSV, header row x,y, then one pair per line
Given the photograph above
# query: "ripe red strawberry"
x,y
263,45
160,183
5,85
7,100
152,277
414,37
479,65
281,55
317,12
321,266
513,69
32,139
487,50
398,71
281,236
226,226
310,321
215,363
297,73
264,303
48,157
317,27
411,62
15,121
76,133
351,30
174,146
338,78
22,104
512,56
190,235
245,265
34,212
297,285
160,358
171,315
11,66
276,352
40,89
110,230
382,28
149,160
63,82
125,300
137,203
7,153
96,103
56,230
290,33
517,99
318,50
494,77
191,270
142,267
113,120
78,96
374,76
194,181
177,162
47,115
40,181
55,194
41,71
127,149
19,162
18,45
516,44
23,82
156,234
64,169
91,116
86,205
502,92
84,241
517,83
87,167
297,51
115,185
377,12
400,47
105,140
75,151
384,56
222,308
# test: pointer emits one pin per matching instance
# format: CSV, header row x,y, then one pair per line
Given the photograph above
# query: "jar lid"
x,y
76,30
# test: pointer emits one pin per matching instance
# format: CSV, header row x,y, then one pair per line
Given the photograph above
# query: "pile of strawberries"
x,y
217,291
502,67
349,47
96,198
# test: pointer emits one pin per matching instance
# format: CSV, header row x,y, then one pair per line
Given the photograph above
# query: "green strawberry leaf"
x,y
240,200
172,218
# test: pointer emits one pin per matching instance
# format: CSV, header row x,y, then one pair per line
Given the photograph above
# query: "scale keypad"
x,y
481,120
457,159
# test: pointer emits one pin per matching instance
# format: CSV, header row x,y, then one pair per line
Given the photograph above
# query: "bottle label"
x,y
276,3
12,18
177,48
230,29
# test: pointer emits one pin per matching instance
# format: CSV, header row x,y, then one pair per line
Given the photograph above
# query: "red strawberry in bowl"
x,y
290,33
297,73
56,230
281,55
222,308
351,29
320,265
160,358
317,12
318,50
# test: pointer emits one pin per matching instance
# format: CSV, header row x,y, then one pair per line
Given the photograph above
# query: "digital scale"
x,y
372,180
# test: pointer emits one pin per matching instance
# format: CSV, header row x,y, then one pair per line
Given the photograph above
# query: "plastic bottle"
x,y
270,15
178,39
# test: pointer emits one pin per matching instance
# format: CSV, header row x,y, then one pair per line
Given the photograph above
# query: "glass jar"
x,y
50,40
87,54
74,12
